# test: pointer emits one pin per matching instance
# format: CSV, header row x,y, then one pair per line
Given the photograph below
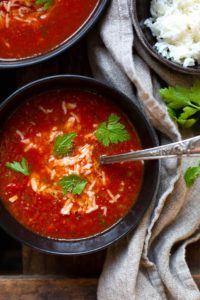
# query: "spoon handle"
x,y
189,147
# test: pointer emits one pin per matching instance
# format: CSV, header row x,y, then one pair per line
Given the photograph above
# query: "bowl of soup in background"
x,y
31,32
38,205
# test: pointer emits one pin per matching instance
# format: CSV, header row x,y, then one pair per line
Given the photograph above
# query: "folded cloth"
x,y
150,262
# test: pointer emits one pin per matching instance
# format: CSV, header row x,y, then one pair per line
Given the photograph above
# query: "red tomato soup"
x,y
51,180
33,27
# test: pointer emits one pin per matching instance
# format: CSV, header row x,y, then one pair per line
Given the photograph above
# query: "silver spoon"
x,y
189,147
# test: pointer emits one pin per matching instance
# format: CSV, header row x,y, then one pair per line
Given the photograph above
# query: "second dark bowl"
x,y
150,178
141,12
80,33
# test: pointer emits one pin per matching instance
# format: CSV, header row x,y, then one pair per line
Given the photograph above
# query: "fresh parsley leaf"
x,y
188,111
183,104
72,184
187,123
45,3
195,93
191,175
21,167
63,144
112,131
172,113
185,117
176,97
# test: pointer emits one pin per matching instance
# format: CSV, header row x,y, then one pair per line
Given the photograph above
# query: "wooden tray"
x,y
29,275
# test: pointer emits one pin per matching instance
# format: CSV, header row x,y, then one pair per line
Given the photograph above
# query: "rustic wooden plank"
x,y
26,75
197,279
193,257
46,288
73,61
50,288
88,265
193,260
73,266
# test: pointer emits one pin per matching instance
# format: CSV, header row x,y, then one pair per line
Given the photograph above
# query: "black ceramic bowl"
x,y
6,64
151,168
141,12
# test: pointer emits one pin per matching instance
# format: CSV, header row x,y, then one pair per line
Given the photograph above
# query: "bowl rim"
x,y
168,63
68,43
92,243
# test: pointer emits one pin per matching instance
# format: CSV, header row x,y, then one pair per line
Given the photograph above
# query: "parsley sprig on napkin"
x,y
183,104
191,174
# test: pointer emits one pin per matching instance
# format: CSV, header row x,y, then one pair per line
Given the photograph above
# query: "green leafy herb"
x,y
45,3
183,104
63,144
191,175
21,167
112,131
72,184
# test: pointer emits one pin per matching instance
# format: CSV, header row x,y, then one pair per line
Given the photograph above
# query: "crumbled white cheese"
x,y
70,122
20,134
45,111
34,184
64,107
113,198
105,209
42,188
30,146
66,208
92,185
91,209
103,177
25,141
71,105
175,24
90,136
88,172
54,133
75,116
13,199
87,166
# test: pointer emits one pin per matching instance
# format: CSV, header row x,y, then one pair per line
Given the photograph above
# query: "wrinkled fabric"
x,y
150,262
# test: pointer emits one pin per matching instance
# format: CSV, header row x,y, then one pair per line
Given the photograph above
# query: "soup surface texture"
x,y
33,27
51,180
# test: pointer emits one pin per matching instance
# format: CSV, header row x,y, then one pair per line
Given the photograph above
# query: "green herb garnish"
x,y
72,184
63,144
191,175
45,3
21,167
183,104
112,131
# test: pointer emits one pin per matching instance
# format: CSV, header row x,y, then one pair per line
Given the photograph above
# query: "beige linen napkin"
x,y
150,262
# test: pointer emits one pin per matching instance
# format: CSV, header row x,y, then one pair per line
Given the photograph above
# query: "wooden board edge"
x,y
46,288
